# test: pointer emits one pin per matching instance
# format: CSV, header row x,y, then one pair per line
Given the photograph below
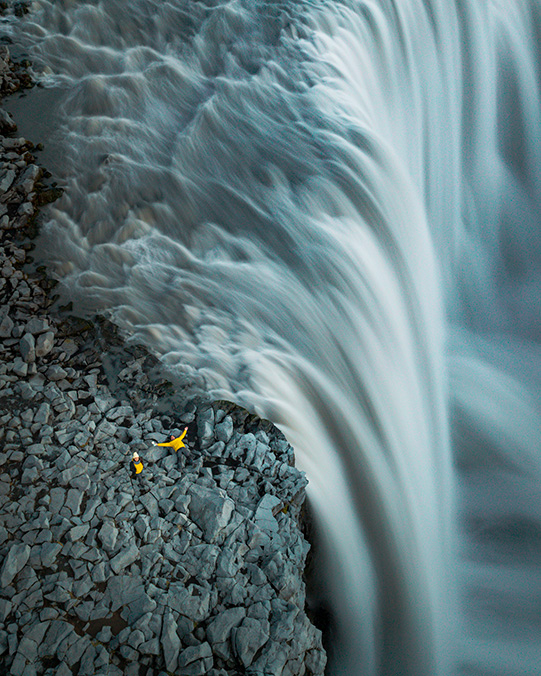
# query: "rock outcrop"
x,y
193,567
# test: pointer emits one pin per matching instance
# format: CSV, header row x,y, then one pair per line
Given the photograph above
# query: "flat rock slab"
x,y
211,509
14,562
125,558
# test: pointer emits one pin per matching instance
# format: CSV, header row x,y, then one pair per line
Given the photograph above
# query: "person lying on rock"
x,y
176,443
136,464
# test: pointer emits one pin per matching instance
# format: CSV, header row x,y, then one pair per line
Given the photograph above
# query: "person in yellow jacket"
x,y
176,443
136,465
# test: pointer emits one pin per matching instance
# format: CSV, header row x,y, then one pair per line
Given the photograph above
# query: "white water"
x,y
329,211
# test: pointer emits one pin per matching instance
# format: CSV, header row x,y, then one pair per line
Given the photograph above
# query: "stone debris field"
x,y
193,567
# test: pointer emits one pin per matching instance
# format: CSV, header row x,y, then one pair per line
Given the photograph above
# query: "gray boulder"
x,y
248,639
27,346
264,514
195,660
125,558
36,325
44,343
211,510
6,327
224,431
170,642
14,562
219,630
78,532
205,426
108,534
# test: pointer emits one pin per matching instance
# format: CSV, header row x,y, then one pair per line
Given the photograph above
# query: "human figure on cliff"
x,y
176,442
136,465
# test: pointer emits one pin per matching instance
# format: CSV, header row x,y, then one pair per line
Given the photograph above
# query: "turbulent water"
x,y
330,212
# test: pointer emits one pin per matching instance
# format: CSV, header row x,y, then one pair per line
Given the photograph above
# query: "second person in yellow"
x,y
176,443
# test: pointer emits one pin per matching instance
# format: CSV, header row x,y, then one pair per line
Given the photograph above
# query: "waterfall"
x,y
328,211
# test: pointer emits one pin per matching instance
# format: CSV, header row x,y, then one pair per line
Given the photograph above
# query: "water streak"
x,y
328,211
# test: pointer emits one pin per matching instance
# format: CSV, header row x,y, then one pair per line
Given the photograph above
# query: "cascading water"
x,y
328,212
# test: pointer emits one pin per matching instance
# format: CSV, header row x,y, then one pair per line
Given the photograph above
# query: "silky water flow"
x,y
329,212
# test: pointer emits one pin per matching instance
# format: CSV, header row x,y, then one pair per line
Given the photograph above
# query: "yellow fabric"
x,y
175,443
138,467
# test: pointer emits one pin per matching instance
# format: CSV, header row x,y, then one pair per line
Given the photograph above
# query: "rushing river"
x,y
330,212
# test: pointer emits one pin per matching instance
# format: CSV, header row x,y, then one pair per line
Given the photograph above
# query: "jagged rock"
x,y
6,327
105,430
5,609
43,413
44,343
170,642
13,563
219,629
195,660
19,367
151,647
205,426
71,648
211,509
25,183
108,534
49,552
74,470
151,504
86,666
229,562
198,566
78,532
224,431
63,670
125,558
248,639
28,648
139,607
6,180
27,345
73,501
58,497
264,514
36,325
58,631
55,372
7,123
193,605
